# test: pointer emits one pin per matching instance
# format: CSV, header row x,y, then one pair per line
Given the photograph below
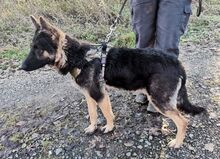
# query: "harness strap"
x,y
103,58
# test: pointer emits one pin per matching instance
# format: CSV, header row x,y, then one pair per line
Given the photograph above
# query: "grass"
x,y
16,137
202,29
14,53
87,20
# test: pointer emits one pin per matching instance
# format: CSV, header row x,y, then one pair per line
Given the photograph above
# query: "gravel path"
x,y
43,116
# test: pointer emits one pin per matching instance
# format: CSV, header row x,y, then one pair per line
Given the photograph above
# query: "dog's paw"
x,y
90,129
107,128
174,144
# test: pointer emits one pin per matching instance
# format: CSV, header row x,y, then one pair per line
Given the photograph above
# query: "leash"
x,y
104,45
199,9
113,27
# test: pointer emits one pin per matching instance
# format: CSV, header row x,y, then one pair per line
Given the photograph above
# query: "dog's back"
x,y
131,68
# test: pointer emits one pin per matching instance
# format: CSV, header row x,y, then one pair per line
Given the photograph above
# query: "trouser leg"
x,y
172,18
144,14
144,21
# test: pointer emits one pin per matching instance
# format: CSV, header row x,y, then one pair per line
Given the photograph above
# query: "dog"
x,y
160,76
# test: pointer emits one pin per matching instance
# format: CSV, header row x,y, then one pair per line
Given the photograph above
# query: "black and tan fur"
x,y
160,76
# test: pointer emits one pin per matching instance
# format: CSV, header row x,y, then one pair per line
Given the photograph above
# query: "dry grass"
x,y
84,19
78,17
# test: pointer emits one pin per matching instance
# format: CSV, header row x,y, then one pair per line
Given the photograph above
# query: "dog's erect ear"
x,y
35,22
45,24
58,37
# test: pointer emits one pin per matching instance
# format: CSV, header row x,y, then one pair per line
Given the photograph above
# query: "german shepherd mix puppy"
x,y
160,76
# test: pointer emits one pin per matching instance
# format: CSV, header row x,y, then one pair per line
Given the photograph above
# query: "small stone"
x,y
62,99
150,137
191,136
139,146
212,115
148,143
3,138
138,132
18,100
129,144
194,125
191,148
34,135
50,152
56,123
134,154
141,140
23,145
218,125
209,147
99,154
58,151
20,123
108,155
128,154
24,130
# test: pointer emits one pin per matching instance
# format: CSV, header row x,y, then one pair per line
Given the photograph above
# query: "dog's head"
x,y
46,47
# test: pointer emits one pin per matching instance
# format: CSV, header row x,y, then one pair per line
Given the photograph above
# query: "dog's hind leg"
x,y
105,106
181,124
163,95
92,109
179,120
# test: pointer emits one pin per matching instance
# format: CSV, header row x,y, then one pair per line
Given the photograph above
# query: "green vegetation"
x,y
14,53
16,137
202,29
88,20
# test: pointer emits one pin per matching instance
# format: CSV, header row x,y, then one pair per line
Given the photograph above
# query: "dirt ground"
x,y
43,116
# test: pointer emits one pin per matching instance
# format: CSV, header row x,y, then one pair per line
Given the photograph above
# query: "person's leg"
x,y
172,19
143,16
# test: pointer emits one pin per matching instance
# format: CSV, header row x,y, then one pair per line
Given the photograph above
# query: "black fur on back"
x,y
131,69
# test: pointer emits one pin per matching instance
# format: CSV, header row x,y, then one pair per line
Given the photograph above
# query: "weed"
x,y
13,53
16,137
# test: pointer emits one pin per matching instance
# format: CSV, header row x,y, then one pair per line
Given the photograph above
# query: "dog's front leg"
x,y
92,109
105,106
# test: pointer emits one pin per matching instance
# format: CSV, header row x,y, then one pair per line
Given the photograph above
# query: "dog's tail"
x,y
184,104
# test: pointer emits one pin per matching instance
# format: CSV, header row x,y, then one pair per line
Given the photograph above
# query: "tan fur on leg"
x,y
92,109
105,106
181,124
